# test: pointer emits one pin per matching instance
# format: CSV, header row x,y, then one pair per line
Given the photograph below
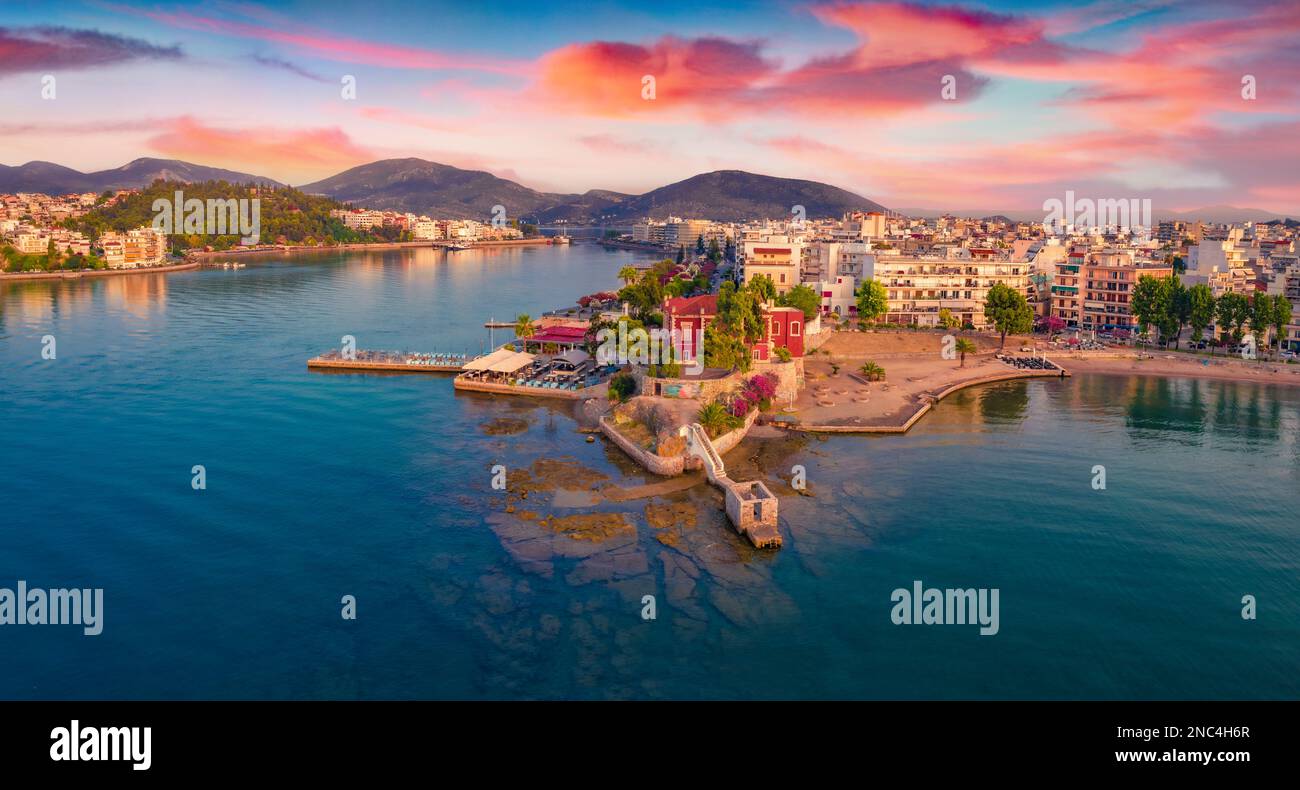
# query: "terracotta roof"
x,y
708,303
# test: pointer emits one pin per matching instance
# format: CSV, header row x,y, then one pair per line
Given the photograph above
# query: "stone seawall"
x,y
676,465
657,464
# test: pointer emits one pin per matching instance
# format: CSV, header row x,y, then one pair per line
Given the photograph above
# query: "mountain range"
x,y
444,191
447,192
53,179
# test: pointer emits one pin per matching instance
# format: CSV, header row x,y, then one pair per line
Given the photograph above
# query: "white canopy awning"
x,y
486,361
574,356
514,362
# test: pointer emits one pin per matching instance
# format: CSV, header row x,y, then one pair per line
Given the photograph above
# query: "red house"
x,y
783,326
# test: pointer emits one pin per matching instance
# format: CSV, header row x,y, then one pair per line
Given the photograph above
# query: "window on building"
x,y
794,329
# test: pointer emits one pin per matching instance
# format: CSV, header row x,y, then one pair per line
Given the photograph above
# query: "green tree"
x,y
873,301
1200,309
964,346
804,298
724,350
763,288
740,313
947,320
699,244
738,324
681,255
1233,311
627,274
621,387
1281,316
1261,318
1008,310
1149,302
1180,300
715,253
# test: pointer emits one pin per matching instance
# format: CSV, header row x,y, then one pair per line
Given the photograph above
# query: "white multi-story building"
x,y
839,296
135,248
425,229
919,288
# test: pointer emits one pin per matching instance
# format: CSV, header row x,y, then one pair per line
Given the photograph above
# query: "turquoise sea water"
x,y
320,486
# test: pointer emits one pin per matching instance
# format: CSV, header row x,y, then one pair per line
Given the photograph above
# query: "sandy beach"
x,y
1180,365
837,399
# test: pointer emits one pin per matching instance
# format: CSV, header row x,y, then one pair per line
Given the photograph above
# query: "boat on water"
x,y
454,247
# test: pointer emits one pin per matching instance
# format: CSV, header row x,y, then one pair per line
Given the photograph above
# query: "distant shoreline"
x,y
78,274
389,245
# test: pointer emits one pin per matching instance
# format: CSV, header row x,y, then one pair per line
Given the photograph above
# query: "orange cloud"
x,y
324,150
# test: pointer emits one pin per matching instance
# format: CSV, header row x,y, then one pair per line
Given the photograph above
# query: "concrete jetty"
x,y
393,361
751,507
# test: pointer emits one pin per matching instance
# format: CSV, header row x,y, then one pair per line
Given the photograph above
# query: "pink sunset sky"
x,y
1109,99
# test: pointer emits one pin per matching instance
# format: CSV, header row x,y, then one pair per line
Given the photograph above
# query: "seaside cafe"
x,y
500,366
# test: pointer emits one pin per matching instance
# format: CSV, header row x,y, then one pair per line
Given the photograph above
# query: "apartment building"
x,y
425,229
31,241
360,219
918,288
135,248
1092,290
780,262
826,260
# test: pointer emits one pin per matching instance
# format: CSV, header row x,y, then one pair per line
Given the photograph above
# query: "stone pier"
x,y
751,507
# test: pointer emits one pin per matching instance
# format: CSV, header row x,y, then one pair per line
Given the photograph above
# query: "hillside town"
x,y
34,233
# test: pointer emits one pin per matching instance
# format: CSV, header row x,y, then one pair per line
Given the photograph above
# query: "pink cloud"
x,y
323,150
340,48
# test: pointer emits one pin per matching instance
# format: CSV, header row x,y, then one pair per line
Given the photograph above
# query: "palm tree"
x,y
872,371
965,346
627,274
713,418
524,326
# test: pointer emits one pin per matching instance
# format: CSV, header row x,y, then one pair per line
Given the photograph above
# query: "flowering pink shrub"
x,y
760,388
739,407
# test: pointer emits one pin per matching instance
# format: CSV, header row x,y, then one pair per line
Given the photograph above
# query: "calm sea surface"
x,y
320,486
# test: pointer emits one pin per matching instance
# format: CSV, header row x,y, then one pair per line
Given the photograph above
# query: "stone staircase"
x,y
751,507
